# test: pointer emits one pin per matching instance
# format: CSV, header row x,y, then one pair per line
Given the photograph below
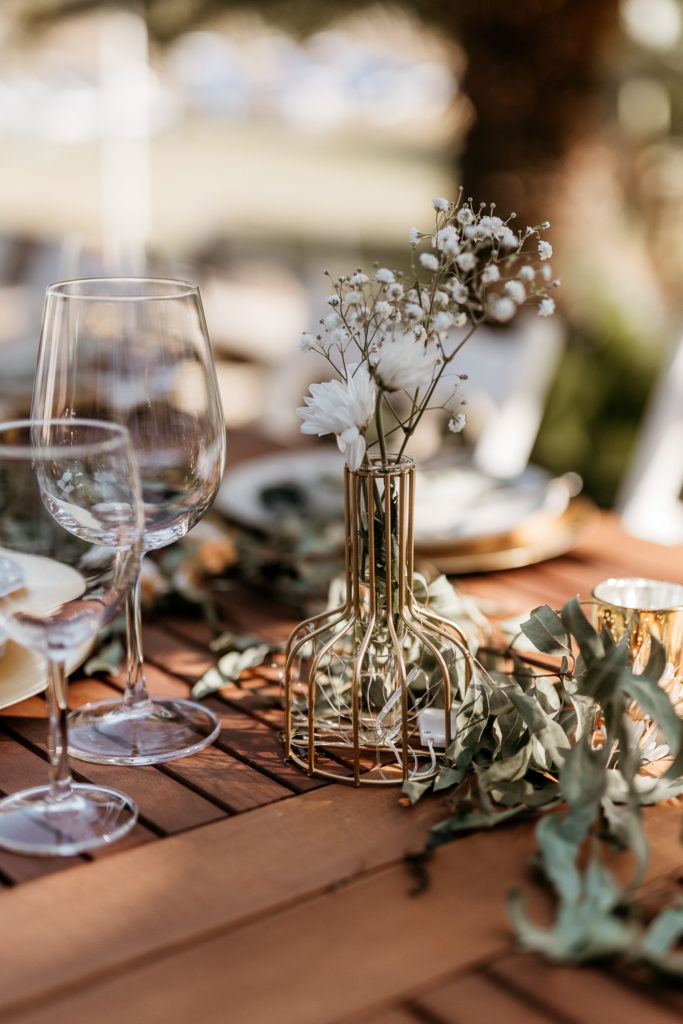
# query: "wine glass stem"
x,y
136,695
57,745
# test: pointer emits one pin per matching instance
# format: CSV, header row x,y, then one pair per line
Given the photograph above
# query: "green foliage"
x,y
540,742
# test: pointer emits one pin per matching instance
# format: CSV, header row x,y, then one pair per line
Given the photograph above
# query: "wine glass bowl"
x,y
70,545
136,351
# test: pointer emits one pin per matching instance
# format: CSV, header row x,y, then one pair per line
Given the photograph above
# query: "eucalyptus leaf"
x,y
627,826
508,769
559,849
655,702
456,824
589,642
664,933
414,789
546,631
229,669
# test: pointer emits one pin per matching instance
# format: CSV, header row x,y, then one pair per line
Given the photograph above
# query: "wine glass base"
x,y
88,817
160,730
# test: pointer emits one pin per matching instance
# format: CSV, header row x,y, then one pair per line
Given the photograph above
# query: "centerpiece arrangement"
x,y
371,685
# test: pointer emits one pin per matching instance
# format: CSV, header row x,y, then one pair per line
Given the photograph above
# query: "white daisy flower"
x,y
404,364
343,408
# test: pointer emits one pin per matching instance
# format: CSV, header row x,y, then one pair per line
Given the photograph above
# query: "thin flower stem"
x,y
380,429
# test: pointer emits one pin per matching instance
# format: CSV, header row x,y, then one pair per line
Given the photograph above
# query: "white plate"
x,y
452,503
23,673
43,584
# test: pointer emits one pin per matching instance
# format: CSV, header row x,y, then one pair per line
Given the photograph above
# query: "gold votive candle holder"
x,y
641,608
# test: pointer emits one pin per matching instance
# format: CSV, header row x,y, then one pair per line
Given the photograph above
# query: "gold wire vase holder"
x,y
370,685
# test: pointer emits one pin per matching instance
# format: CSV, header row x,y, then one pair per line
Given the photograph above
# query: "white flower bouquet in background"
x,y
393,338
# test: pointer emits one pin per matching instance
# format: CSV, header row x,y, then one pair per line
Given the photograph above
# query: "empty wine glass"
x,y
136,351
70,539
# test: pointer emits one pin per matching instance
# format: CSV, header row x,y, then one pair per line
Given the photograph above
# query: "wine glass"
x,y
70,540
136,351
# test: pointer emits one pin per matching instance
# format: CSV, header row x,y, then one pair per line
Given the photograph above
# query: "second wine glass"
x,y
137,351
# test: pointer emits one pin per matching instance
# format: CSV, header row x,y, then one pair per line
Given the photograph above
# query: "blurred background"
x,y
252,145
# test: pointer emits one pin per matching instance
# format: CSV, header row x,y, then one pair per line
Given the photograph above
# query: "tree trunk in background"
x,y
533,75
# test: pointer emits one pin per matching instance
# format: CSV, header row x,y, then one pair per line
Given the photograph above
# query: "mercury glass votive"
x,y
640,609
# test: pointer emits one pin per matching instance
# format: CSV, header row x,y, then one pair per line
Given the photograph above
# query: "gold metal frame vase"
x,y
370,685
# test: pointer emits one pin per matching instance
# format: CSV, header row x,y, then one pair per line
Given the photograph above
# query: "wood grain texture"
x,y
167,894
365,940
478,997
586,993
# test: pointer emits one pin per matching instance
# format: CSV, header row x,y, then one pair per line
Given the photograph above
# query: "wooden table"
x,y
252,894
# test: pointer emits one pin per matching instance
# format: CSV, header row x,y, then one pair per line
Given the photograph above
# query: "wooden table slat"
x,y
582,990
481,998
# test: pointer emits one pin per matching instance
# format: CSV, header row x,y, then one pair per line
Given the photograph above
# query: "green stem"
x,y
380,430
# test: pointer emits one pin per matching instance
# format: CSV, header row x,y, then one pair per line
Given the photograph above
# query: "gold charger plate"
x,y
541,537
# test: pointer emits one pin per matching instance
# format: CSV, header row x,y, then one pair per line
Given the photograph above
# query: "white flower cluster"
x,y
391,332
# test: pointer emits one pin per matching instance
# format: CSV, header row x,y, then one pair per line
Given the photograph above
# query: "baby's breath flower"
x,y
398,325
501,309
516,291
507,238
458,291
490,274
442,321
428,261
466,261
457,423
545,250
414,312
